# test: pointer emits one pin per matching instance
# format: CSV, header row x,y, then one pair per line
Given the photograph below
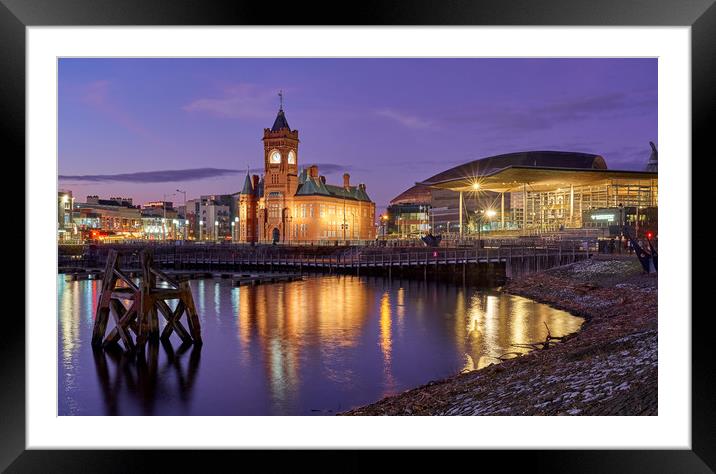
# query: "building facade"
x,y
285,206
66,228
210,217
113,218
543,191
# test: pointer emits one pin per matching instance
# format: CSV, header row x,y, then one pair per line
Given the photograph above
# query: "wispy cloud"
x,y
406,120
192,174
161,176
97,95
514,118
241,100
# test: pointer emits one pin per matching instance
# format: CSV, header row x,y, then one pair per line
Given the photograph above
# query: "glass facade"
x,y
567,207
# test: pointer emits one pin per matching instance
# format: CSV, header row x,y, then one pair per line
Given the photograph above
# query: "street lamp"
x,y
201,224
216,231
490,213
185,213
353,225
164,216
186,227
233,230
236,226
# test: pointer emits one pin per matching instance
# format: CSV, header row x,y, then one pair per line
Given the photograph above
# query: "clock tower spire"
x,y
281,175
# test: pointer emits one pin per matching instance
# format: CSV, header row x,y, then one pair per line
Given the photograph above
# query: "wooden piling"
x,y
141,319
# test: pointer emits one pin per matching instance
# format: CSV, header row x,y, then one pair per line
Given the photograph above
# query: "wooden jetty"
x,y
247,279
493,260
146,299
237,279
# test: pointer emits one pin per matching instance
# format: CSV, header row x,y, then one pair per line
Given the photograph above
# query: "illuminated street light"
x,y
476,186
490,213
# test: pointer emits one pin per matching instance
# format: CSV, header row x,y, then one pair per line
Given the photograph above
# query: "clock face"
x,y
291,158
275,157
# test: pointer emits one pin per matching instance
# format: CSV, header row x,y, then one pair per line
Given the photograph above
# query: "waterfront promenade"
x,y
505,258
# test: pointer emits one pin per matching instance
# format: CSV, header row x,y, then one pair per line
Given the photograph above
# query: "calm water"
x,y
315,347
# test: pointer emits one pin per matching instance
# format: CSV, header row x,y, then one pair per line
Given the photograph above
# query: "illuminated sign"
x,y
603,217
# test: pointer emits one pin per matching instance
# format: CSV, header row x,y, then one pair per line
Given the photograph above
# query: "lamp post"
x,y
216,231
164,216
201,225
482,212
353,226
185,213
344,218
233,230
236,227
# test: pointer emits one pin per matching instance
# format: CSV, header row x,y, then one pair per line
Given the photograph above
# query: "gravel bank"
x,y
608,368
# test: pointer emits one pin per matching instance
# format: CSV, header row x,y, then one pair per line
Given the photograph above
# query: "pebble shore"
x,y
609,367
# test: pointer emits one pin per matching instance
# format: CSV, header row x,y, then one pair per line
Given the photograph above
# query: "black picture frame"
x,y
16,15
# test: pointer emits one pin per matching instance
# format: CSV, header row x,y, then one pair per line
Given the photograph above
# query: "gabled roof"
x,y
280,122
303,176
315,187
312,186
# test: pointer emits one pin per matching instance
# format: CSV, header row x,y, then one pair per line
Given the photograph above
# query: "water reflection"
x,y
137,378
310,347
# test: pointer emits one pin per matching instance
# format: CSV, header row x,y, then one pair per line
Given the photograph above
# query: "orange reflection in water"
x,y
386,342
292,321
324,342
495,323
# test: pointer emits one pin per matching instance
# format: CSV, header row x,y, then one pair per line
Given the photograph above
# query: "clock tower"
x,y
280,177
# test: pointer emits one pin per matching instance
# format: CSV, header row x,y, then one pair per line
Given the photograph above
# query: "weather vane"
x,y
280,99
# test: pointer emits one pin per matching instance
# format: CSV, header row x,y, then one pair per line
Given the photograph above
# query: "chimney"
x,y
313,171
361,186
255,181
346,180
323,179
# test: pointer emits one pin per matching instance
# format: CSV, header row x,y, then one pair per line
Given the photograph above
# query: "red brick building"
x,y
286,205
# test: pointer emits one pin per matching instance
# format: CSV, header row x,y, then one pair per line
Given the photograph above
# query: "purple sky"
x,y
144,127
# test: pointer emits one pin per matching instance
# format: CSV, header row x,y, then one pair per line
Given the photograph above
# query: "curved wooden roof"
x,y
539,170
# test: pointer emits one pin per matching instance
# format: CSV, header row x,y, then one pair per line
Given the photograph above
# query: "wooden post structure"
x,y
146,302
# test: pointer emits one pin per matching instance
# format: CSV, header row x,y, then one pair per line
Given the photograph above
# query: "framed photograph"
x,y
418,226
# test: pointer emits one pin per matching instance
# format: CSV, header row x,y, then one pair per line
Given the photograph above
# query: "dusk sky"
x,y
142,128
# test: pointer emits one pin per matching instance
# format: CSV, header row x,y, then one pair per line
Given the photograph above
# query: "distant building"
x,y
66,228
542,191
653,164
286,205
210,216
408,213
112,217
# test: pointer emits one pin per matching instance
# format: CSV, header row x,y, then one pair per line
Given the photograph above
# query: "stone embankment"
x,y
609,367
